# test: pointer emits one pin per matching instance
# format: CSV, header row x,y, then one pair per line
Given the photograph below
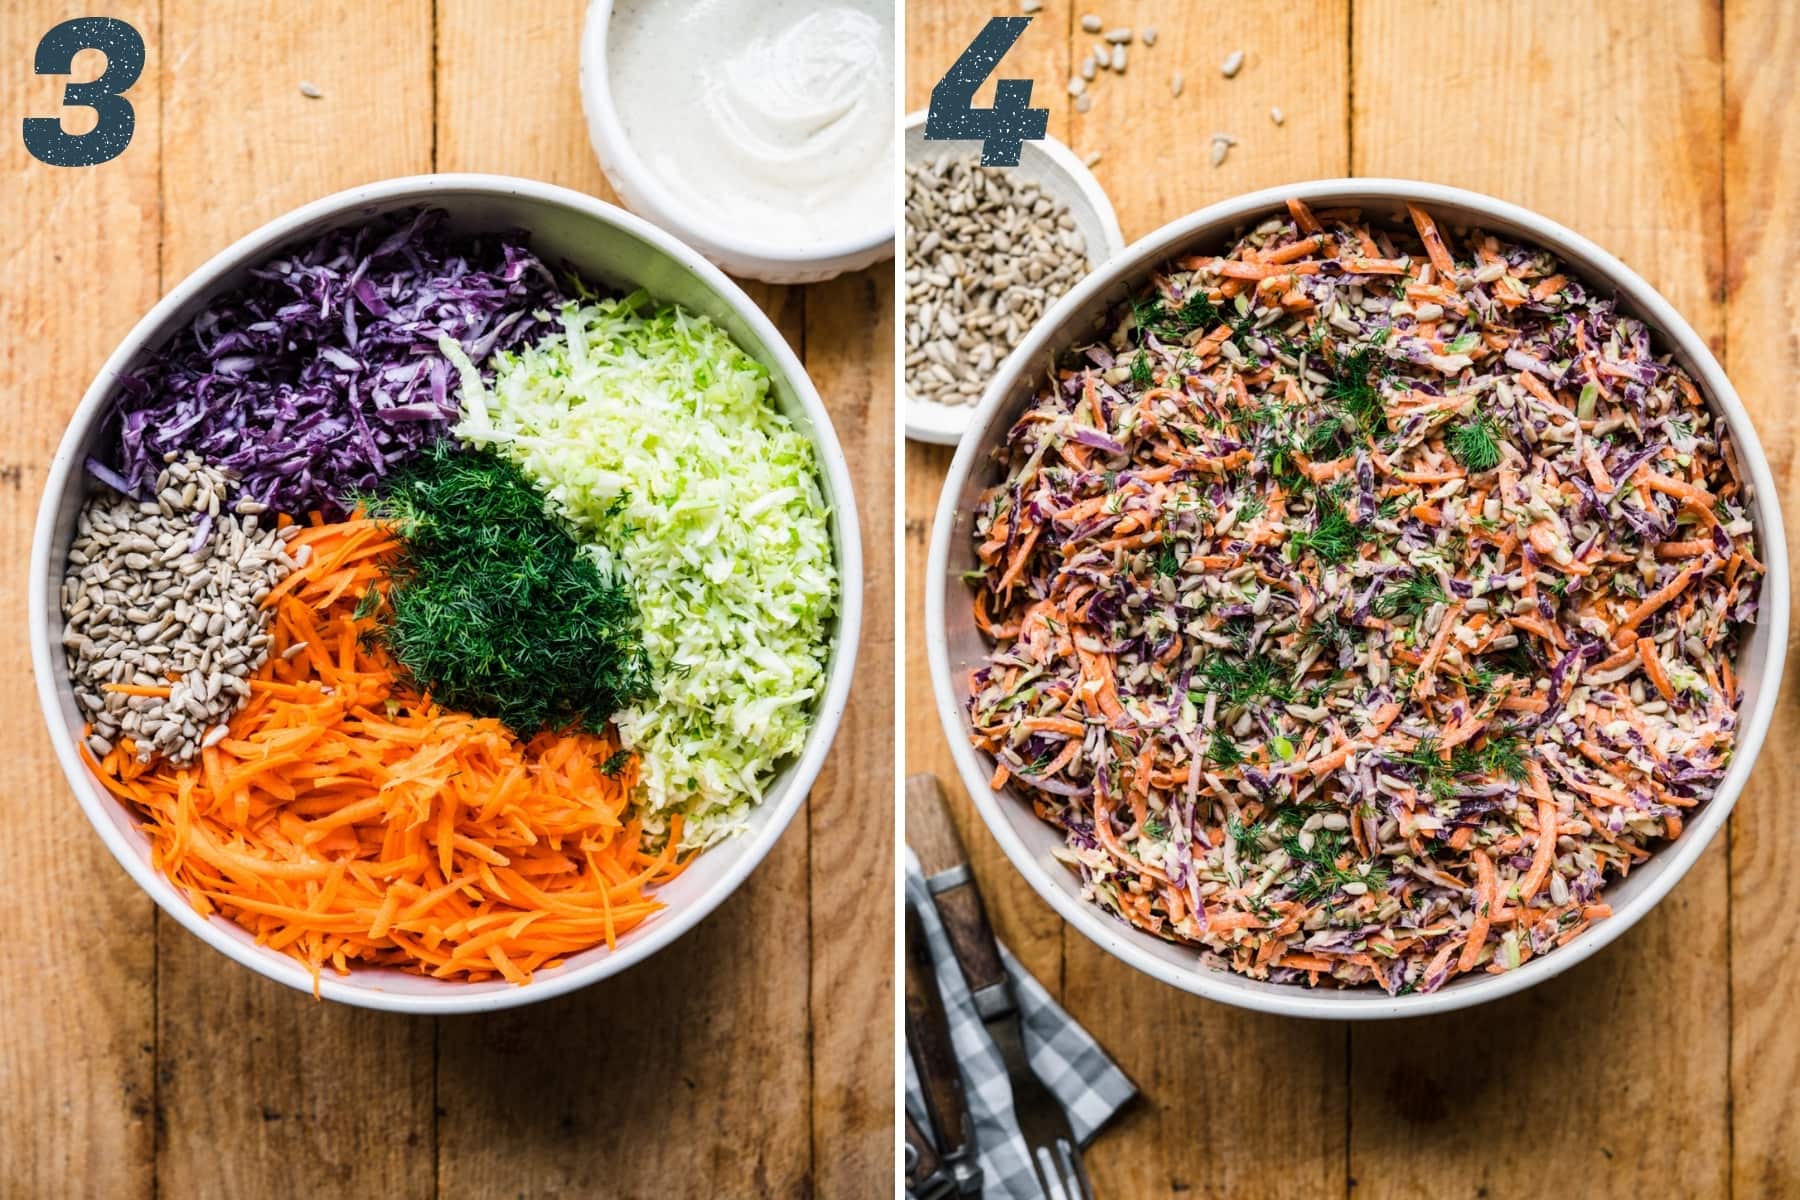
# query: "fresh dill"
x,y
1318,873
1356,378
1328,633
1240,682
1295,815
1239,629
615,763
1476,441
1516,660
1168,563
1333,538
1327,439
494,609
1246,837
1502,752
1153,317
1141,376
1222,752
1412,596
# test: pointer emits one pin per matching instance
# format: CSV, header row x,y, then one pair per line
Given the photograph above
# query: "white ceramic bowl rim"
x,y
1364,1003
595,36
666,926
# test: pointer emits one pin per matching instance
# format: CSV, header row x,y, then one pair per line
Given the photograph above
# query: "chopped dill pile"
x,y
493,609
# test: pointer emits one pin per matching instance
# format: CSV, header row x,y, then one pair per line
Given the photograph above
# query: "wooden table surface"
x,y
135,1061
1665,1065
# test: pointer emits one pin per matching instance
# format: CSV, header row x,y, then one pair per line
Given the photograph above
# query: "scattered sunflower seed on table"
x,y
986,253
167,593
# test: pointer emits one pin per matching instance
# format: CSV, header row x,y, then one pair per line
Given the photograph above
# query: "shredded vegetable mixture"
x,y
1364,603
652,431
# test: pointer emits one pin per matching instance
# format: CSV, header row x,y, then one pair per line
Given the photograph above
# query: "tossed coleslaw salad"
x,y
1363,602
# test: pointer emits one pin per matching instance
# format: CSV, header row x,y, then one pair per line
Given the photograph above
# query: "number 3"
x,y
124,50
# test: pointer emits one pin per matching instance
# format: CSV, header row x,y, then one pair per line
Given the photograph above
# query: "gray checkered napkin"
x,y
1070,1063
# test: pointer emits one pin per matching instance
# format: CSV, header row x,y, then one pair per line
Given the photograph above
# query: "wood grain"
x,y
849,352
1762,183
261,1090
77,967
1607,118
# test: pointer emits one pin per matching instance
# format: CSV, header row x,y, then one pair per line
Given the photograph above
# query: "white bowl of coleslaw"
x,y
956,646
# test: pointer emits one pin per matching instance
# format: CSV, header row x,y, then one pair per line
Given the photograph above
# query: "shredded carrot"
x,y
348,821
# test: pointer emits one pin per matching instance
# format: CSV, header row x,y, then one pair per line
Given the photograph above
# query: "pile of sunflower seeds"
x,y
986,253
166,593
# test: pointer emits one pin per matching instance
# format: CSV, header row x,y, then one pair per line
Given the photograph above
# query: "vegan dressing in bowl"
x,y
784,136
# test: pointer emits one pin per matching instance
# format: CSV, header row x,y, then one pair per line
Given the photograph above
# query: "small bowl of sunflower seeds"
x,y
988,251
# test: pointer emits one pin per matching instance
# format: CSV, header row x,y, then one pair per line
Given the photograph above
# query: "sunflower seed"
x,y
126,622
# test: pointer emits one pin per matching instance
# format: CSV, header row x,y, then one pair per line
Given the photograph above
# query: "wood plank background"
x,y
1665,1065
135,1062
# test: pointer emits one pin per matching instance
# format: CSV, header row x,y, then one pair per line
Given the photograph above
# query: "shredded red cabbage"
x,y
322,372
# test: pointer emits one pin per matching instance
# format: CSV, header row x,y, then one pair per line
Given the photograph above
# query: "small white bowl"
x,y
954,644
1059,174
609,247
645,194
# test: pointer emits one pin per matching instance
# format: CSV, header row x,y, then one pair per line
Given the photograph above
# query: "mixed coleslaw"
x,y
1363,603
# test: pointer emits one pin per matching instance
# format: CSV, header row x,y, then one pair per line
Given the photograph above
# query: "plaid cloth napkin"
x,y
1070,1063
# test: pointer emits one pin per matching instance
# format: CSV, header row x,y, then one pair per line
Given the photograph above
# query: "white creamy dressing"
x,y
772,120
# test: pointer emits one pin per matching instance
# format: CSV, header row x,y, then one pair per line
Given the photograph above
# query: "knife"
x,y
934,1056
934,840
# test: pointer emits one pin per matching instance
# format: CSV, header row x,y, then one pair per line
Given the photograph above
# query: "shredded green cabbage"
x,y
655,434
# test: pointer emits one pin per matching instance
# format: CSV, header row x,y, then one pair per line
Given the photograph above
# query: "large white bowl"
x,y
1059,175
954,643
607,247
643,191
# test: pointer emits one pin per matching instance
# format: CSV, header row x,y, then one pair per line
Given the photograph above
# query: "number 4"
x,y
1002,128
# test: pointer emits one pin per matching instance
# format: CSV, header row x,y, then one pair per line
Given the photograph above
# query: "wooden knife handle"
x,y
933,838
928,1041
